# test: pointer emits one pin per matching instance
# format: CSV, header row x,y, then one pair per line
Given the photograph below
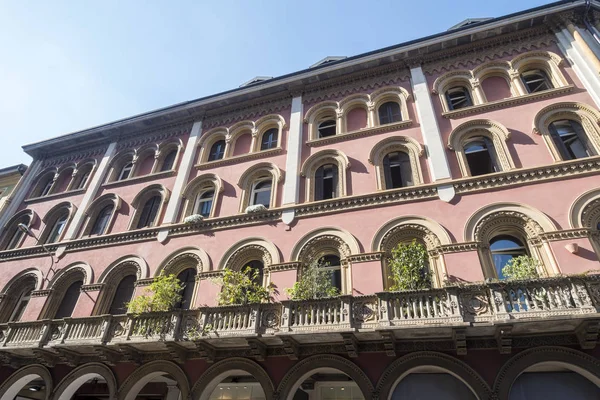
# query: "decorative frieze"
x,y
92,288
225,116
156,135
79,154
288,266
41,293
209,275
365,257
566,234
143,282
54,196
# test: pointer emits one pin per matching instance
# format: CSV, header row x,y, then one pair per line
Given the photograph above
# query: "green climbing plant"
x,y
522,267
409,267
315,283
163,294
243,287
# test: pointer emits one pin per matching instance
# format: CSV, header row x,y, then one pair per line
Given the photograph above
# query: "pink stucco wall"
x,y
495,88
356,119
242,144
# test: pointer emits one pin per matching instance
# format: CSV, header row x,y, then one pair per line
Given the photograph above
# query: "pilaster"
x,y
291,186
90,193
430,130
19,192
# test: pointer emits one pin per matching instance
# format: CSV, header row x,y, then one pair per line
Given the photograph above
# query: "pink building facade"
x,y
481,143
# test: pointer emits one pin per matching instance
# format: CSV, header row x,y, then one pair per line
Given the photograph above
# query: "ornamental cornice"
x,y
138,179
230,114
458,247
270,215
360,133
566,234
209,275
521,176
143,282
389,75
239,159
481,51
41,293
92,288
54,196
154,135
74,156
287,266
509,102
365,257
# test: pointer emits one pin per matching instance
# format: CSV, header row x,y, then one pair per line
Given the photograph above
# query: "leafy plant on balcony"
x,y
163,294
522,267
409,267
315,283
243,287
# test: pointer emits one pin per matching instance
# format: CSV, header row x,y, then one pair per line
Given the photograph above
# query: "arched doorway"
x,y
89,381
156,380
416,384
34,380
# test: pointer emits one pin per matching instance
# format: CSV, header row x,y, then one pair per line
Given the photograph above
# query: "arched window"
x,y
269,139
21,304
83,180
458,97
258,267
125,171
187,278
327,128
326,182
397,170
535,80
389,113
333,264
123,295
149,212
261,193
504,248
480,156
570,139
169,161
16,237
58,227
217,151
102,220
69,300
46,186
204,203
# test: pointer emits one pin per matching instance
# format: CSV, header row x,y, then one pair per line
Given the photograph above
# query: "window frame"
x,y
141,200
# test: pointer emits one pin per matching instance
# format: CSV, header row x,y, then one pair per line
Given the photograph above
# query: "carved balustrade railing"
x,y
457,305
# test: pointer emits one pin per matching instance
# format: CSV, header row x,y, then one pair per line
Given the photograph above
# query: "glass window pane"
x,y
69,300
217,151
169,161
327,128
269,139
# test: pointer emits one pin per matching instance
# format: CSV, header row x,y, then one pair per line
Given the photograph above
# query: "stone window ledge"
x,y
509,102
54,196
239,159
359,133
137,179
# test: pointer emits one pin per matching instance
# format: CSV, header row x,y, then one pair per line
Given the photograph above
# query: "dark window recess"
x,y
57,228
570,138
169,161
261,194
21,305
149,212
326,182
458,97
102,220
205,202
333,265
269,139
125,171
47,186
257,266
389,113
123,295
84,179
397,170
327,128
69,300
504,248
217,151
536,81
188,280
480,157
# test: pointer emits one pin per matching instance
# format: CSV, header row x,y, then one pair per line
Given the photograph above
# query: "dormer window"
x,y
458,97
536,81
327,128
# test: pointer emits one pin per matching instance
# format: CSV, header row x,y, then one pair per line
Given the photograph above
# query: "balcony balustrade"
x,y
497,302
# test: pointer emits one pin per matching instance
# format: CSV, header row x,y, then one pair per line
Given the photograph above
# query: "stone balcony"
x,y
498,315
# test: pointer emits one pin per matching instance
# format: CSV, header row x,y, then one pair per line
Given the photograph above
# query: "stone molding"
x,y
509,102
86,369
143,282
286,266
154,135
458,247
42,293
230,114
365,257
138,179
209,275
239,159
360,133
92,288
53,196
74,156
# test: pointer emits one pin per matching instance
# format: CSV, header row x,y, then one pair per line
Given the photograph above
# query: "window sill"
x,y
136,179
359,133
509,102
240,158
54,196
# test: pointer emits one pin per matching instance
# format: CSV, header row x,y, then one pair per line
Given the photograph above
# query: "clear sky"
x,y
70,65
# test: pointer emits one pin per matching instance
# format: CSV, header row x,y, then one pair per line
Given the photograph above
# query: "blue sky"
x,y
70,65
